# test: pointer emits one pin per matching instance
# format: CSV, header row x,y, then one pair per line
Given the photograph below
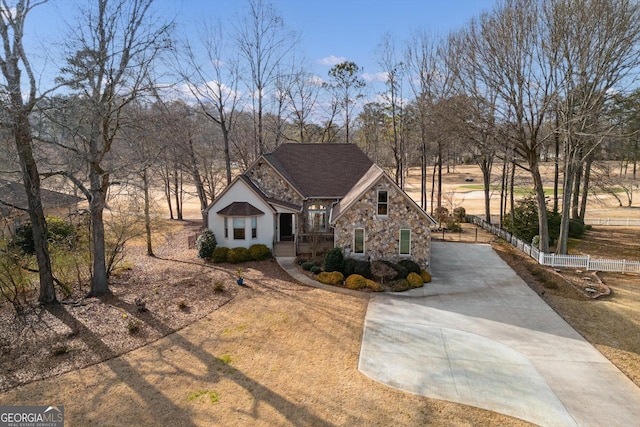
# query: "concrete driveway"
x,y
478,335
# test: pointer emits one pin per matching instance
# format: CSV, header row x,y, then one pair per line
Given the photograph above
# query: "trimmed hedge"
x,y
355,281
331,278
375,287
399,285
315,269
426,276
259,252
238,255
220,254
415,280
307,265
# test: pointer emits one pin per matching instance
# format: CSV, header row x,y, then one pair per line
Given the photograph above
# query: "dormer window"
x,y
383,203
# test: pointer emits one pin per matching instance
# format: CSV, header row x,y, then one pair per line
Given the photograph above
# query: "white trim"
x,y
364,248
400,242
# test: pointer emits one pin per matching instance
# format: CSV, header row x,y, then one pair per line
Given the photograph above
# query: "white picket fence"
x,y
584,262
613,222
621,222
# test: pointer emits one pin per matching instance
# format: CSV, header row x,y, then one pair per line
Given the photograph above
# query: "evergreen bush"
x,y
206,244
334,260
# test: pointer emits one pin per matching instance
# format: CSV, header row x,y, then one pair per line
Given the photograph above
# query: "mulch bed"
x,y
157,296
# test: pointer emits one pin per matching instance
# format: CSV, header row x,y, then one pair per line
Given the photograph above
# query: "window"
x,y
358,241
254,227
226,227
383,201
238,228
317,218
405,242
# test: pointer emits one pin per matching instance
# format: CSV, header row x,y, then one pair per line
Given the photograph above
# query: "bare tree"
x,y
394,69
265,43
303,95
213,80
16,108
347,85
506,48
111,51
596,43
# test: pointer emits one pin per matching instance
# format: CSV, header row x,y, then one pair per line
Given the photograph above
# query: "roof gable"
x,y
368,180
320,170
240,209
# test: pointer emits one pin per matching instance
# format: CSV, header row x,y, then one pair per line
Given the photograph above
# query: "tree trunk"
x,y
31,180
147,216
542,207
100,278
556,165
585,187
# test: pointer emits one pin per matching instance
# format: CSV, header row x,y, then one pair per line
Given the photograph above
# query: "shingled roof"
x,y
14,194
240,209
320,170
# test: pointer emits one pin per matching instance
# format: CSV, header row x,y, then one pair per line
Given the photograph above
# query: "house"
x,y
306,198
13,204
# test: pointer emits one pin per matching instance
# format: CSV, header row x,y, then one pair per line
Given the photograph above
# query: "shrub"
x,y
426,276
375,287
315,269
349,267
399,285
238,255
355,281
576,228
58,231
401,271
219,287
307,266
334,260
441,214
301,260
382,271
363,268
220,254
460,214
410,265
415,280
259,252
206,244
331,278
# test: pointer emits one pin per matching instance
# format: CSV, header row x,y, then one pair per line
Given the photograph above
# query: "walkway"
x,y
478,335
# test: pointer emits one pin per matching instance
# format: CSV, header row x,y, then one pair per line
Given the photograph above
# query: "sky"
x,y
331,31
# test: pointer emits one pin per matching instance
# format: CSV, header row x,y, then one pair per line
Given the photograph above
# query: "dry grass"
x,y
278,353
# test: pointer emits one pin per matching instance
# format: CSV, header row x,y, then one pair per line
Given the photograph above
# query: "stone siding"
x,y
382,234
272,184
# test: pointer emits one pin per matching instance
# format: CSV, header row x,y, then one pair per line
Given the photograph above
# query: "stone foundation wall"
x,y
382,234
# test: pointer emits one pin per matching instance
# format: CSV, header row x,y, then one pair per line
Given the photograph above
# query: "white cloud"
x,y
380,76
316,80
332,60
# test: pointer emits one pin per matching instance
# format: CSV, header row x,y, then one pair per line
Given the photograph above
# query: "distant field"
x,y
519,191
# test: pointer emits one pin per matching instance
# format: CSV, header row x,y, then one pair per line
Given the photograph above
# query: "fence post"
x,y
588,263
624,265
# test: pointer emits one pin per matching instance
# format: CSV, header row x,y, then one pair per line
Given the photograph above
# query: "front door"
x,y
286,227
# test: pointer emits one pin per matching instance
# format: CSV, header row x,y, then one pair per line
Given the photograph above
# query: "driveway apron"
x,y
478,335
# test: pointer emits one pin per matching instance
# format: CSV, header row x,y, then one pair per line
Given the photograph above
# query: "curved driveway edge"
x,y
478,335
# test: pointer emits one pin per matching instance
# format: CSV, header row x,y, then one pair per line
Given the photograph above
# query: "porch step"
x,y
284,249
